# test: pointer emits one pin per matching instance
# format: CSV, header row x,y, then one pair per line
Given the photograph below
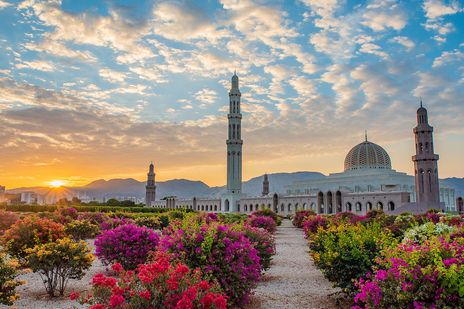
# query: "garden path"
x,y
293,281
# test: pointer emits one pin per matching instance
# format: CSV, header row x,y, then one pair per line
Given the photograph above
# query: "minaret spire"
x,y
365,134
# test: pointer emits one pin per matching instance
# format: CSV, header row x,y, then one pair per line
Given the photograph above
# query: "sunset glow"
x,y
57,183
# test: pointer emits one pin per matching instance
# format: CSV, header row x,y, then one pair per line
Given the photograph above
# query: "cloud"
x,y
182,22
206,96
4,4
382,15
36,65
371,48
402,40
437,8
446,58
112,76
114,30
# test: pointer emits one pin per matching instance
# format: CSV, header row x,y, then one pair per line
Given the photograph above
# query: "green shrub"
x,y
58,262
164,220
8,283
81,229
347,252
150,222
31,231
232,217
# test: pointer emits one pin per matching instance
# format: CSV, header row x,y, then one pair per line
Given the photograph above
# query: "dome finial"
x,y
365,134
420,101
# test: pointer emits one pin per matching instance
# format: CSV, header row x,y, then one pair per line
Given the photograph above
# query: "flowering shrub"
x,y
420,233
8,283
263,241
7,219
429,275
66,214
156,285
81,229
59,261
348,251
114,223
452,220
220,253
268,213
264,222
126,244
94,217
313,223
31,231
150,222
300,216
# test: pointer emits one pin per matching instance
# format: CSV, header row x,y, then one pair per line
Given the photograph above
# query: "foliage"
x,y
176,214
264,242
58,262
7,219
114,223
220,252
420,233
31,231
93,217
8,283
268,213
128,245
232,217
300,216
81,229
264,222
347,251
313,223
51,208
428,275
65,215
150,222
160,284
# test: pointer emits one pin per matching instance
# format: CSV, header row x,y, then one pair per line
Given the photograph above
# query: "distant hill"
x,y
184,188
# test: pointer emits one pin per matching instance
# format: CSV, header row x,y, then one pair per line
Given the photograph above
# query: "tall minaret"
x,y
265,185
425,161
234,140
150,195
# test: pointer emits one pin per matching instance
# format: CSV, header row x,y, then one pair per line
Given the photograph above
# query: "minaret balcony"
x,y
234,116
426,157
234,142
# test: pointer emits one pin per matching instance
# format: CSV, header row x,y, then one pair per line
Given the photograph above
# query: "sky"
x,y
98,89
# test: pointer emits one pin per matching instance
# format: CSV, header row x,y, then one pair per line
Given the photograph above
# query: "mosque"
x,y
367,182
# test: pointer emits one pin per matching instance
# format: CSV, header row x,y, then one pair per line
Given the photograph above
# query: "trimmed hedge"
x,y
51,208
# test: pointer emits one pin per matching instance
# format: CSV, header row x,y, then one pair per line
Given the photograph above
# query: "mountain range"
x,y
184,188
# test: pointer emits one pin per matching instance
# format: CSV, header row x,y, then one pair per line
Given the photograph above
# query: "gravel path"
x,y
293,281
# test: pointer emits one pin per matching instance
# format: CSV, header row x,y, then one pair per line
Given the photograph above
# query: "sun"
x,y
57,183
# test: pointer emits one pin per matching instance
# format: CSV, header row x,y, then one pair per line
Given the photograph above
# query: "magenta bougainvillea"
x,y
427,275
264,222
128,245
